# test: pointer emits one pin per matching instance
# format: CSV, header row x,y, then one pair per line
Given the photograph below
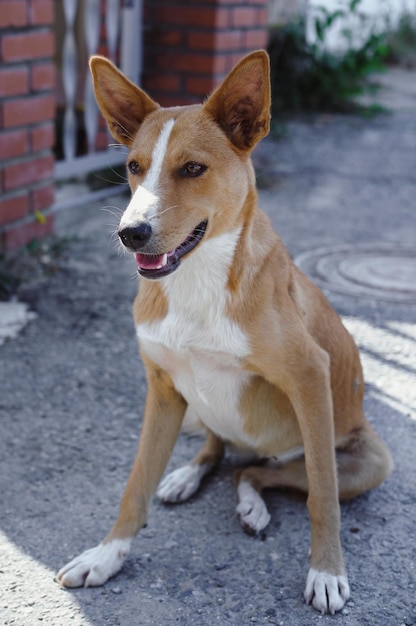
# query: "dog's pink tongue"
x,y
149,261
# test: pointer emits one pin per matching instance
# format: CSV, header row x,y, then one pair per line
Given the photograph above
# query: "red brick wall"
x,y
190,46
27,112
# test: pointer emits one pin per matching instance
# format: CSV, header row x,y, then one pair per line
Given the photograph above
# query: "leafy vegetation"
x,y
401,42
38,260
309,76
9,282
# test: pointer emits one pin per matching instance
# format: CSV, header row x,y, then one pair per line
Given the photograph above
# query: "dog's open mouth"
x,y
158,265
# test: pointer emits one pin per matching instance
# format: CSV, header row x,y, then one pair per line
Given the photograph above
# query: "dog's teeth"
x,y
164,262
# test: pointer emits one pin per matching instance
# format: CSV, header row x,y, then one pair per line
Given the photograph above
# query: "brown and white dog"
x,y
230,328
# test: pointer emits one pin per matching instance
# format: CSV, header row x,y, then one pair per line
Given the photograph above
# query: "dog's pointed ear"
x,y
123,105
241,104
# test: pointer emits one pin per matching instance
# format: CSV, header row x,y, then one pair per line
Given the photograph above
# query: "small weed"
x,y
401,42
39,259
9,282
311,77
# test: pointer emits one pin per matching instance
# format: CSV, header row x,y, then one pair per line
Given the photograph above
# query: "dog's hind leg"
x,y
363,462
183,482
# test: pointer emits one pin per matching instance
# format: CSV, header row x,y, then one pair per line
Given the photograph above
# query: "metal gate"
x,y
82,27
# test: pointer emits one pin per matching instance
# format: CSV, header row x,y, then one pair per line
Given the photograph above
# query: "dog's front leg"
x,y
302,369
163,416
310,392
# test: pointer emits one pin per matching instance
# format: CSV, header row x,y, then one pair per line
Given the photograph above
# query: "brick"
x,y
24,111
199,86
231,2
255,39
13,144
166,38
262,17
14,81
229,40
12,209
243,16
43,76
236,57
24,233
216,41
183,62
41,12
13,13
27,46
208,17
24,173
43,137
226,65
222,18
201,41
181,99
221,63
42,197
164,82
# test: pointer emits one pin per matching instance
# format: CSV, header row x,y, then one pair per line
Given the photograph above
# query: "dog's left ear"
x,y
241,104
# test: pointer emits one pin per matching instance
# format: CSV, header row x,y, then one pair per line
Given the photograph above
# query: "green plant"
x,y
401,41
8,281
38,260
310,76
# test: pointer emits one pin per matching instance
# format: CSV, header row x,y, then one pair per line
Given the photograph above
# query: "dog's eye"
x,y
192,169
134,167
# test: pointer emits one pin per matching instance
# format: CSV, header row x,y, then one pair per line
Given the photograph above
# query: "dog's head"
x,y
189,168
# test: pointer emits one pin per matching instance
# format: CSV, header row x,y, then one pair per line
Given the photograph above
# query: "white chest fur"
x,y
197,344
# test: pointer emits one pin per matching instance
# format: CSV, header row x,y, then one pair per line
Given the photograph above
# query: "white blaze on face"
x,y
145,200
151,180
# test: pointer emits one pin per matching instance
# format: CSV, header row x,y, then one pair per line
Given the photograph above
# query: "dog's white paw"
x,y
326,592
95,566
182,483
251,509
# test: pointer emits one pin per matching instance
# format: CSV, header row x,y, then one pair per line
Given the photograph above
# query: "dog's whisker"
x,y
109,180
108,209
119,174
169,208
112,206
127,132
112,233
118,145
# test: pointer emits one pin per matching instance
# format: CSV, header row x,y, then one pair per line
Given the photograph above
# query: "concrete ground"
x,y
72,392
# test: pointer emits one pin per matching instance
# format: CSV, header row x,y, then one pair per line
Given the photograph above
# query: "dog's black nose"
x,y
135,237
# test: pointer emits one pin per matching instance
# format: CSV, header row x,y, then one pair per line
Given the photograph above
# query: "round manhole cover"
x,y
380,271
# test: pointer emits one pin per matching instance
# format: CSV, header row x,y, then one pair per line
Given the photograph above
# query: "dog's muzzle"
x,y
158,265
